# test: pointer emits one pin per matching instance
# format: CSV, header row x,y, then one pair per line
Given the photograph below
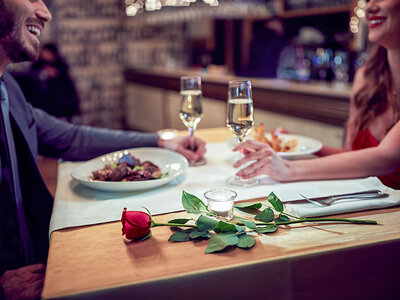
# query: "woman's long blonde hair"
x,y
373,99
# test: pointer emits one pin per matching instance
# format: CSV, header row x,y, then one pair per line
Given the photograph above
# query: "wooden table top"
x,y
95,261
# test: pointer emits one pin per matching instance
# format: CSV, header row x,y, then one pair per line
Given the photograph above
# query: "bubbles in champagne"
x,y
191,110
240,118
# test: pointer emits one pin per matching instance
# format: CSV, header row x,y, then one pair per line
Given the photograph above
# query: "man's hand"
x,y
23,283
193,148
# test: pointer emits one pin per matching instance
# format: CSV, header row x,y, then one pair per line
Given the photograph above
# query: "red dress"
x,y
365,139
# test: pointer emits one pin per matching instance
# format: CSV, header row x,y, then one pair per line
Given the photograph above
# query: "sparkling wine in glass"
x,y
240,119
191,109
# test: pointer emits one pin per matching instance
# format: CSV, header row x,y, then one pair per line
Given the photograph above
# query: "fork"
x,y
329,202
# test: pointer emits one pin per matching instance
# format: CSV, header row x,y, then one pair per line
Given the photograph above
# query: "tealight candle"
x,y
220,201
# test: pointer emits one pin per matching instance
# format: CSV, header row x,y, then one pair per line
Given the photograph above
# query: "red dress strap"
x,y
365,139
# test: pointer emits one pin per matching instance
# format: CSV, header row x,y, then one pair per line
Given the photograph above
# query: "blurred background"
x,y
308,42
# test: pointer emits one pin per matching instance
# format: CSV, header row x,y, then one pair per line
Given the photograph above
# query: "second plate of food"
x,y
291,145
171,165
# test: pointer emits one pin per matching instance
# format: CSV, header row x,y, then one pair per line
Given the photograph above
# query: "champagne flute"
x,y
191,109
240,119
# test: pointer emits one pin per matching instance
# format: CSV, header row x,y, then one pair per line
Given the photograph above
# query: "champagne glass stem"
x,y
240,152
191,131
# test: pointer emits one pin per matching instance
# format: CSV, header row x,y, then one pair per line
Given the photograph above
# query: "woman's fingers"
x,y
259,167
252,154
250,144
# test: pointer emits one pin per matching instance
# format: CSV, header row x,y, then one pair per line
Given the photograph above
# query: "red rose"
x,y
135,224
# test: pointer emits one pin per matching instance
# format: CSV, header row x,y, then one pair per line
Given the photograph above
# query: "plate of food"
x,y
287,145
131,169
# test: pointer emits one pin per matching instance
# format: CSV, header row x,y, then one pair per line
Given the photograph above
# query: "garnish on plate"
x,y
275,141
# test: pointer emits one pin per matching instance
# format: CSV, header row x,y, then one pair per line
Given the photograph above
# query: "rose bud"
x,y
135,224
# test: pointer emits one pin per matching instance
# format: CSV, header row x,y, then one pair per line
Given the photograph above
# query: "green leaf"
x,y
179,236
247,223
192,204
200,234
245,241
225,227
276,203
205,223
148,212
254,205
267,215
145,237
220,241
267,229
179,221
282,218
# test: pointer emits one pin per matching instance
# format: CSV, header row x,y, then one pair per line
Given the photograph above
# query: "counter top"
x,y
314,100
337,89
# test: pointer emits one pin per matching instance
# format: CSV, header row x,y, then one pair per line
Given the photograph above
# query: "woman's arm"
x,y
380,160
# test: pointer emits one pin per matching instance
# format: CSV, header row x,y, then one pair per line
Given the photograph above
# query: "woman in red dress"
x,y
373,130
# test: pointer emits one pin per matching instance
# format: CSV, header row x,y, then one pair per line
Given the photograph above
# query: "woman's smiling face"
x,y
383,17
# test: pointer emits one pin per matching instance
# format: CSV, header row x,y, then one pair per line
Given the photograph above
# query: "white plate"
x,y
171,163
305,145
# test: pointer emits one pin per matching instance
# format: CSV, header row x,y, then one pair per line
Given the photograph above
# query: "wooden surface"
x,y
323,102
335,261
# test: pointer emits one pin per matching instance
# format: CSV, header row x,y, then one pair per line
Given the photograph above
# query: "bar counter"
x,y
319,101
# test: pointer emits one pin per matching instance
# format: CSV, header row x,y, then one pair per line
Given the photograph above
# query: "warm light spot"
x,y
360,13
131,10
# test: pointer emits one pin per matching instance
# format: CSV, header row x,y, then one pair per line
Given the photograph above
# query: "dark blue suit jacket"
x,y
35,132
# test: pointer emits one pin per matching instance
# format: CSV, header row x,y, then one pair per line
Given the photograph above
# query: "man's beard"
x,y
11,37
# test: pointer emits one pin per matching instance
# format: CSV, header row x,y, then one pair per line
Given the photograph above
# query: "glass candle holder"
x,y
220,201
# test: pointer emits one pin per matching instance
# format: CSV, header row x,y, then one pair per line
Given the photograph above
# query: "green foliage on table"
x,y
249,205
179,221
267,215
239,232
180,236
192,204
222,240
206,223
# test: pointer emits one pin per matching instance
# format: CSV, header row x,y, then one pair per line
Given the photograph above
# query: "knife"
x,y
370,194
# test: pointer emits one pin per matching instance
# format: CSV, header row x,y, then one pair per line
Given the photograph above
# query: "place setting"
x,y
330,197
155,177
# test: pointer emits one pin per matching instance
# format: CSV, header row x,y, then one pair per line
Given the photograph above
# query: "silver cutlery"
x,y
363,195
332,200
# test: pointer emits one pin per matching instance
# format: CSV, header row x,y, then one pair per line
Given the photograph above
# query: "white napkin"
x,y
324,188
76,205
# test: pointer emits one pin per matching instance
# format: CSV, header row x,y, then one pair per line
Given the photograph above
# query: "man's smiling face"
x,y
21,23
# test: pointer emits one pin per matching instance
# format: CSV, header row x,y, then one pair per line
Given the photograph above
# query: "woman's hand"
x,y
266,162
193,148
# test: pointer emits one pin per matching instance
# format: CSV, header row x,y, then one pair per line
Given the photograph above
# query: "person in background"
x,y
265,48
373,129
25,203
48,85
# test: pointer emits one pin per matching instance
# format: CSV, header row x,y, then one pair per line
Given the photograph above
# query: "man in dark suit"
x,y
25,203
